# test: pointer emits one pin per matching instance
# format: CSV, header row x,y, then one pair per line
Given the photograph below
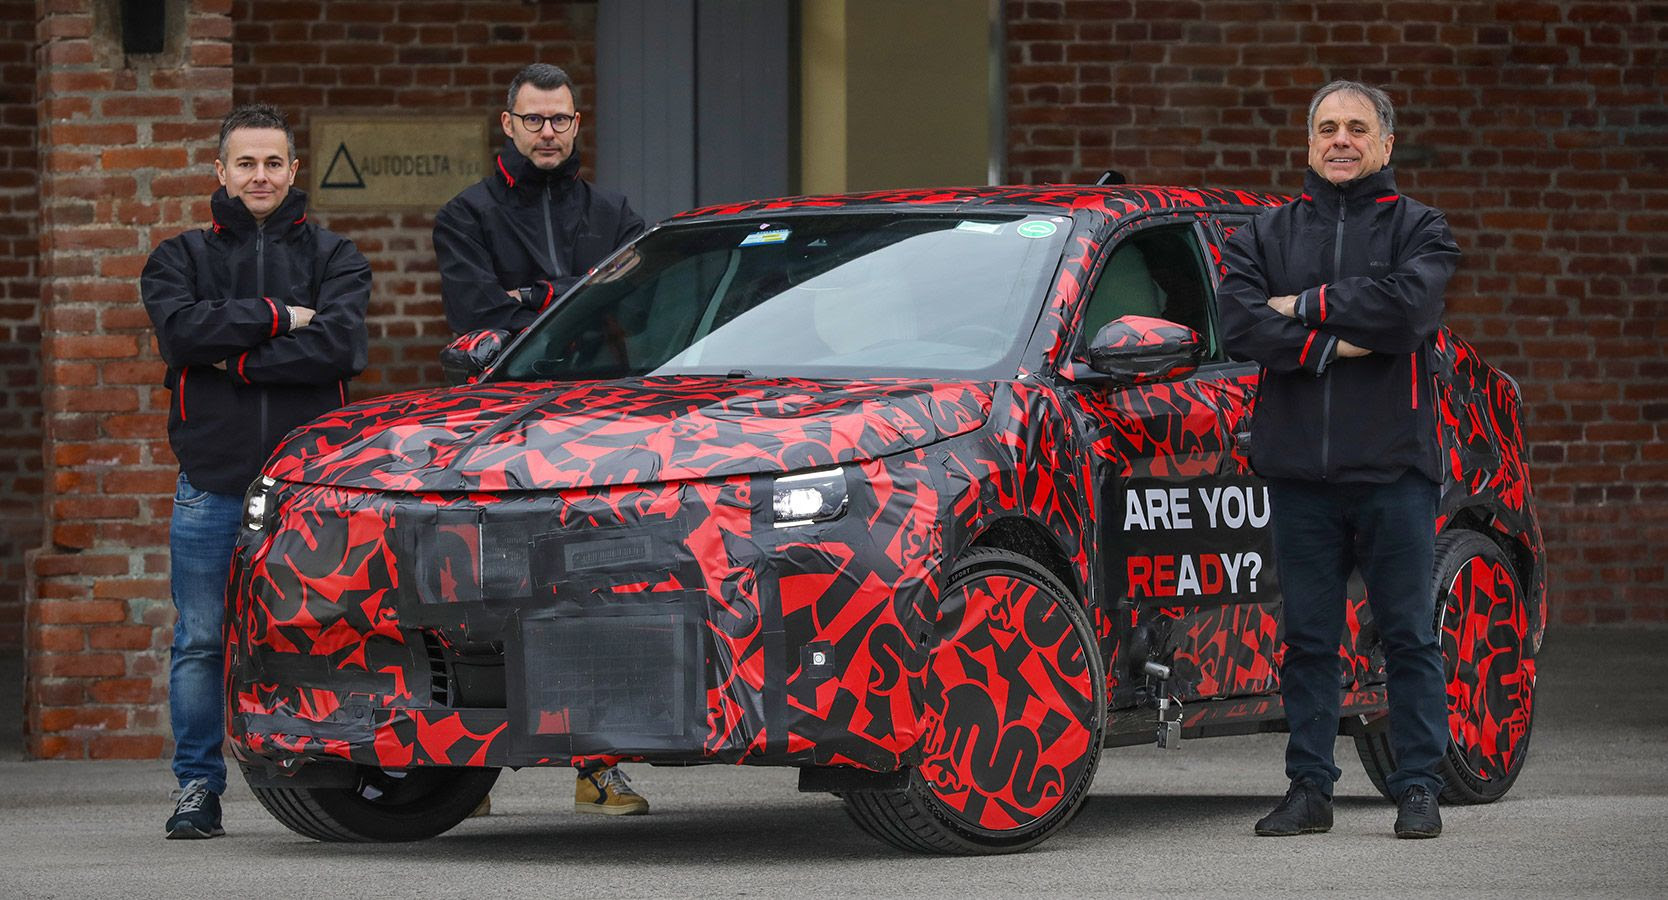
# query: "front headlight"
x,y
257,508
809,497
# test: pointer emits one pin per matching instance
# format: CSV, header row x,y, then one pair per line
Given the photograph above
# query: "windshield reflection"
x,y
833,295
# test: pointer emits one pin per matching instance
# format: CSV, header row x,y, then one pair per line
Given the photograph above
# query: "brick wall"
x,y
20,334
115,136
1541,128
414,56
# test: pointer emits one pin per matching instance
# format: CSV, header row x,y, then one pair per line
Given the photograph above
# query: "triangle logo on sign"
x,y
349,177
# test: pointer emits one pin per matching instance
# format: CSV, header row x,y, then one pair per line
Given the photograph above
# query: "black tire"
x,y
384,806
1041,771
1490,713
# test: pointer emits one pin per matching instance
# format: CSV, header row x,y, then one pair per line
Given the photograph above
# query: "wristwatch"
x,y
526,296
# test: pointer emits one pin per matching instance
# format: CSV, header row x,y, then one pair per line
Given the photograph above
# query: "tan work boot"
x,y
606,791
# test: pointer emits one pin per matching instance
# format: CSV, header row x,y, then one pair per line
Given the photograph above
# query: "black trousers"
x,y
1321,532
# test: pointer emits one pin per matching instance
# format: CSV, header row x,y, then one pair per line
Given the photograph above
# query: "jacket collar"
x,y
231,217
1379,187
515,169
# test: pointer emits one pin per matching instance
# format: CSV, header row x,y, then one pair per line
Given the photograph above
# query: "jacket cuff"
x,y
283,321
1305,310
1311,306
1319,352
537,295
1316,352
235,367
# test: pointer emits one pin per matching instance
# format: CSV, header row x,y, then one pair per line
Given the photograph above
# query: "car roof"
x,y
1115,201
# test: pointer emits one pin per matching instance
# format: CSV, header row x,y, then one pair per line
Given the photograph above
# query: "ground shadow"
x,y
11,688
804,831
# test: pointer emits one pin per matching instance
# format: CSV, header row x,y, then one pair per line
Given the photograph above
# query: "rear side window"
x,y
1157,272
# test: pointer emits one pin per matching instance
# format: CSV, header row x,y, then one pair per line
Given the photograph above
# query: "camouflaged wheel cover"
x,y
1491,685
1009,705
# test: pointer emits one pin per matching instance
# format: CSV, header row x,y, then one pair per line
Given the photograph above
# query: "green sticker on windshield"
x,y
1037,229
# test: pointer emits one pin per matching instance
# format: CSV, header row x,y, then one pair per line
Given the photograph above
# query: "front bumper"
x,y
668,622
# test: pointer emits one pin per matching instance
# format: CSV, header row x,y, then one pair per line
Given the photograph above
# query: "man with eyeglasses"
x,y
513,242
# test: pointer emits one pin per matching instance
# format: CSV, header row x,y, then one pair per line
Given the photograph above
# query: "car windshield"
x,y
832,295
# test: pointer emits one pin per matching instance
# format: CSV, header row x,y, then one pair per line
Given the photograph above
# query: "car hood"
x,y
539,435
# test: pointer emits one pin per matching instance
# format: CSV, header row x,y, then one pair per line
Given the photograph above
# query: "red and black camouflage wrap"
x,y
405,535
1480,417
1007,664
862,589
1490,676
333,593
517,437
487,341
465,357
1167,350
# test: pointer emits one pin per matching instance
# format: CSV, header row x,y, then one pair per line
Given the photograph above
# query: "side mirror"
x,y
467,357
1142,349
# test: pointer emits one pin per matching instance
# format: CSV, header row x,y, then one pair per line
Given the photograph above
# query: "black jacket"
x,y
241,378
523,227
1369,267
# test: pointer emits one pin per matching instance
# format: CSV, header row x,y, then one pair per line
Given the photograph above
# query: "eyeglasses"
x,y
535,123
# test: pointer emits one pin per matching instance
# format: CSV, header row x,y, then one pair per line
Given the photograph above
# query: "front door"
x,y
1183,536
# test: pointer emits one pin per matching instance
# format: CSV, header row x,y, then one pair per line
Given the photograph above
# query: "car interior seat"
x,y
1126,288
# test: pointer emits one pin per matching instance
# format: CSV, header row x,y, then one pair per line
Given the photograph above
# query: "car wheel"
x,y
1482,621
384,805
1013,717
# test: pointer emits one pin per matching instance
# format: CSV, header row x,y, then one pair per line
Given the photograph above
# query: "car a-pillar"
x,y
1013,721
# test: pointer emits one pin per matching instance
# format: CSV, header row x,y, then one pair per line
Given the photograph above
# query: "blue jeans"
x,y
1321,532
200,542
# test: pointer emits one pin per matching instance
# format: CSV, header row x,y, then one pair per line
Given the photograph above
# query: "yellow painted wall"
x,y
822,103
894,93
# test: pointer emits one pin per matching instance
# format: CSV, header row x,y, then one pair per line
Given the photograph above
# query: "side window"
x,y
1156,272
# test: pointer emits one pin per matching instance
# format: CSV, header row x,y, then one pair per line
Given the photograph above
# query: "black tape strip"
x,y
775,664
357,729
602,557
411,557
304,670
524,742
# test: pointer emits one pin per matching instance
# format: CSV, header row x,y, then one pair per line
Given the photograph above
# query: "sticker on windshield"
x,y
980,227
1037,229
766,237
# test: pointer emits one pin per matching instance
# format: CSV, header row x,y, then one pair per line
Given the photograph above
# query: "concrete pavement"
x,y
1588,818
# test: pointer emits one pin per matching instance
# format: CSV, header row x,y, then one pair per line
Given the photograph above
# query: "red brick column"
x,y
125,147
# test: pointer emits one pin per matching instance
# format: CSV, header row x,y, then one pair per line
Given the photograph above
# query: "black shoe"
x,y
1304,811
1417,815
196,813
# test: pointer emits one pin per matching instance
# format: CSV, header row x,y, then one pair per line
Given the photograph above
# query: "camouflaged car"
x,y
929,494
